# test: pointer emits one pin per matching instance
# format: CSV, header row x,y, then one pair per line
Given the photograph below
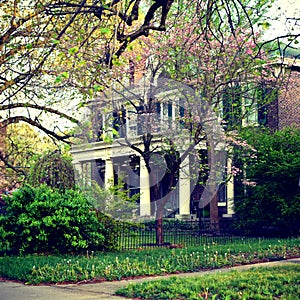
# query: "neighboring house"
x,y
285,110
104,161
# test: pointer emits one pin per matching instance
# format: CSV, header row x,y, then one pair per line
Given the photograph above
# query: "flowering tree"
x,y
226,69
215,68
73,42
53,50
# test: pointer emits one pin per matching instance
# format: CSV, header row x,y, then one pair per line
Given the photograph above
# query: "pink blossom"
x,y
249,183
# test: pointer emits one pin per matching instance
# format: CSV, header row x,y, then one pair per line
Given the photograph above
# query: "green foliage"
x,y
43,219
258,283
53,169
112,230
21,143
273,202
115,266
114,200
112,204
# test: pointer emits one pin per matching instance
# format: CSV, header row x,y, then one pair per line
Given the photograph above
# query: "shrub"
x,y
114,200
53,169
272,204
111,231
43,219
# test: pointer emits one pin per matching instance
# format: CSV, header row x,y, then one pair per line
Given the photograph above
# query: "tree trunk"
x,y
157,209
159,231
213,206
158,200
214,215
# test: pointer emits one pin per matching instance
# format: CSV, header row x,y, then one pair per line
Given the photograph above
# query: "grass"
x,y
35,269
257,283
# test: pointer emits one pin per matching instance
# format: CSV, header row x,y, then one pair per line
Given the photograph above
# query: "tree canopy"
x,y
54,50
272,178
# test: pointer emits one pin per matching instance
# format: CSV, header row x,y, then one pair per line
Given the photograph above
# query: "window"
x,y
232,106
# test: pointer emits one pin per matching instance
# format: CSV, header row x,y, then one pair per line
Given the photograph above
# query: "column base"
x,y
227,215
185,217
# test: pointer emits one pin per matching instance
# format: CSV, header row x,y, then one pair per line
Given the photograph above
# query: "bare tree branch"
x,y
39,107
17,119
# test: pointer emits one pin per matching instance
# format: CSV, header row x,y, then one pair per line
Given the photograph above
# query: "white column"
x,y
230,191
184,187
162,118
78,172
84,173
109,173
174,116
145,207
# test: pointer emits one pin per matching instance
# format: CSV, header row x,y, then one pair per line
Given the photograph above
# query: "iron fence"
x,y
176,233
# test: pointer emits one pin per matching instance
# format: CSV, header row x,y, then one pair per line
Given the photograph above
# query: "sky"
x,y
284,9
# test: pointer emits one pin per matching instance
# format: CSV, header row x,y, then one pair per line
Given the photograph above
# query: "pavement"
x,y
10,290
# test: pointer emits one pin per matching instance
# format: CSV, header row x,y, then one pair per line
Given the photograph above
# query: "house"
x,y
115,150
284,111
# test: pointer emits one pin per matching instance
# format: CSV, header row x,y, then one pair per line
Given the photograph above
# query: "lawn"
x,y
91,267
280,282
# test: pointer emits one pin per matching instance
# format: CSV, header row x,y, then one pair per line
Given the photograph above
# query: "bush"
x,y
111,231
114,200
271,206
53,169
43,219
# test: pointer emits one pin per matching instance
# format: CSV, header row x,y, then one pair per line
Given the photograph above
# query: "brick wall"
x,y
289,101
272,117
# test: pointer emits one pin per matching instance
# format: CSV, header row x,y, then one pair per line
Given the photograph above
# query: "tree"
x,y
59,49
21,143
210,61
53,169
270,204
37,35
26,44
44,50
37,32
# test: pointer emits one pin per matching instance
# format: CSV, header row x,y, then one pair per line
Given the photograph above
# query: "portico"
x,y
104,162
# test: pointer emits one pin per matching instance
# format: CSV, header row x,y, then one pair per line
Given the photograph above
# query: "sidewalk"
x,y
100,291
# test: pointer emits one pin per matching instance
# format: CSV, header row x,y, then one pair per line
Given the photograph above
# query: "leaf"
x,y
114,132
73,50
98,88
58,79
65,75
105,30
91,92
264,25
81,104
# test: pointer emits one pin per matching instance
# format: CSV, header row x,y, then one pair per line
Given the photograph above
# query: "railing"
x,y
176,233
